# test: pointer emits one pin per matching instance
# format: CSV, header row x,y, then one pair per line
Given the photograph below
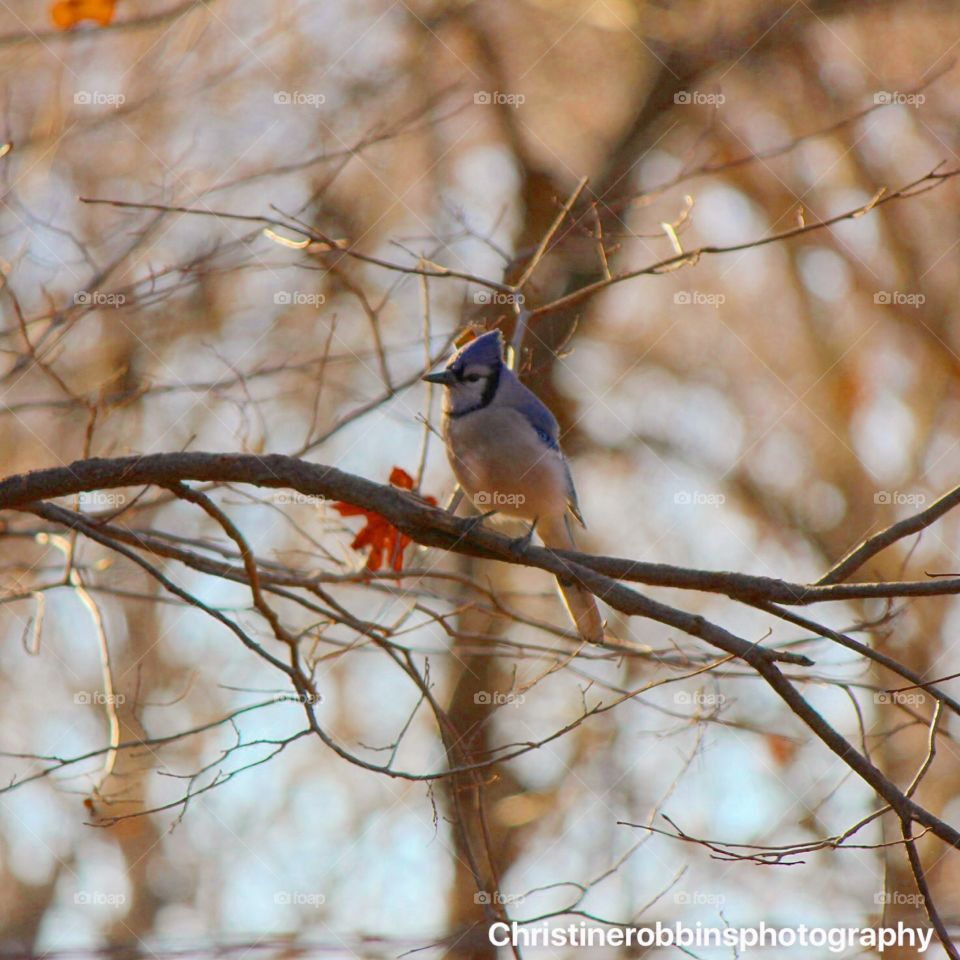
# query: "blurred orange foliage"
x,y
66,14
783,749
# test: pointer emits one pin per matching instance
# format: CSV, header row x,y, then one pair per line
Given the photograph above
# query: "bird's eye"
x,y
472,377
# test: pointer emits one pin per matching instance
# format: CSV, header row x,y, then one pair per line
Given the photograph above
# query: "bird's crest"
x,y
486,350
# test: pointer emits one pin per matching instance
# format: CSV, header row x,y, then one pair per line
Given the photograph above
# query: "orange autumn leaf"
x,y
465,336
400,478
782,748
383,539
66,14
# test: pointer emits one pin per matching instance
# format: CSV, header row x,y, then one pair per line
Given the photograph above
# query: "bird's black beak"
x,y
444,377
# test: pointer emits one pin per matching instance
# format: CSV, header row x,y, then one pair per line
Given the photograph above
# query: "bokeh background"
x,y
760,411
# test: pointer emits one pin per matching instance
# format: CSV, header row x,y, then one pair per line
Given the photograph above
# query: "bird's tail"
x,y
580,603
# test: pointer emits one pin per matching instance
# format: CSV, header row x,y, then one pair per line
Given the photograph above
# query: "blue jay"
x,y
502,445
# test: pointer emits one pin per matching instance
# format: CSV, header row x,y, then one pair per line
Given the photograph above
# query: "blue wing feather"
x,y
541,419
548,430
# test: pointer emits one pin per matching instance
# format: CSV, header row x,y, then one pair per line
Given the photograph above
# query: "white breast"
x,y
503,465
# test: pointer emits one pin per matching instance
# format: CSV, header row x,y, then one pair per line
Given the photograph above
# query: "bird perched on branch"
x,y
502,443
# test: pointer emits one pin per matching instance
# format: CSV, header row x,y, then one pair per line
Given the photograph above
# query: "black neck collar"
x,y
489,392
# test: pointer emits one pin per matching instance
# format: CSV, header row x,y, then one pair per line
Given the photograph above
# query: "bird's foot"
x,y
522,544
472,524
